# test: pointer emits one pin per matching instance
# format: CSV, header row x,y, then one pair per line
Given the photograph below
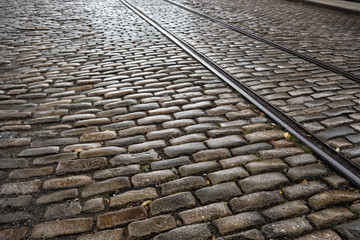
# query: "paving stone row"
x,y
110,131
325,103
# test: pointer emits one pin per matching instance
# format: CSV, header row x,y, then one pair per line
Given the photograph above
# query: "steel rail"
x,y
274,44
336,160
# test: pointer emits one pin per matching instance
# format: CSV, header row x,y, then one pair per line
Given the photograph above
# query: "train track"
x,y
272,43
336,160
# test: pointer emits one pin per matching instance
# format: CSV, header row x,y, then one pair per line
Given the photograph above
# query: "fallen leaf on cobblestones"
x,y
304,181
145,203
78,150
287,135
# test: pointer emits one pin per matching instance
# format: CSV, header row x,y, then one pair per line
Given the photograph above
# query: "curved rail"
x,y
336,160
274,44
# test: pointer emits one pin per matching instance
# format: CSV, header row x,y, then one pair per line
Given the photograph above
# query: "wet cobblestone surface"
x,y
110,131
323,102
311,30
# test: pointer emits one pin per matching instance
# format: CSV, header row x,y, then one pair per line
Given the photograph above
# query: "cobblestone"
x,y
199,168
266,166
78,96
28,173
238,222
80,165
116,172
289,209
63,227
255,200
324,234
122,217
127,159
238,161
304,189
93,205
287,228
156,177
110,185
145,228
306,172
347,229
58,196
329,217
170,163
20,187
219,192
187,148
265,181
333,197
116,234
251,148
63,210
14,234
205,214
133,196
39,152
226,175
301,159
211,154
196,231
172,202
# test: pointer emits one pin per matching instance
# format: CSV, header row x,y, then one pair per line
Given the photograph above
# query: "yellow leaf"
x,y
280,192
304,181
146,203
287,135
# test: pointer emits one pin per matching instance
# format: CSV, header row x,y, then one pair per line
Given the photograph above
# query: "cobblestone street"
x,y
108,130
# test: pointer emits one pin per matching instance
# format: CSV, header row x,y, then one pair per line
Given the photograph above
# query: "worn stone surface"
x,y
329,217
183,184
110,185
333,197
14,234
145,228
255,200
287,228
265,181
205,214
196,231
80,165
172,202
64,227
103,117
321,235
122,217
305,189
155,177
349,230
58,196
290,209
116,234
238,222
20,187
133,196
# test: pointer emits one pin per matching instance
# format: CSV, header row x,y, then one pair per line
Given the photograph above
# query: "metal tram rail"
x,y
336,160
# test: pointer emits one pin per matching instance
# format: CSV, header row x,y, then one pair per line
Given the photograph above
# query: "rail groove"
x,y
336,160
319,63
